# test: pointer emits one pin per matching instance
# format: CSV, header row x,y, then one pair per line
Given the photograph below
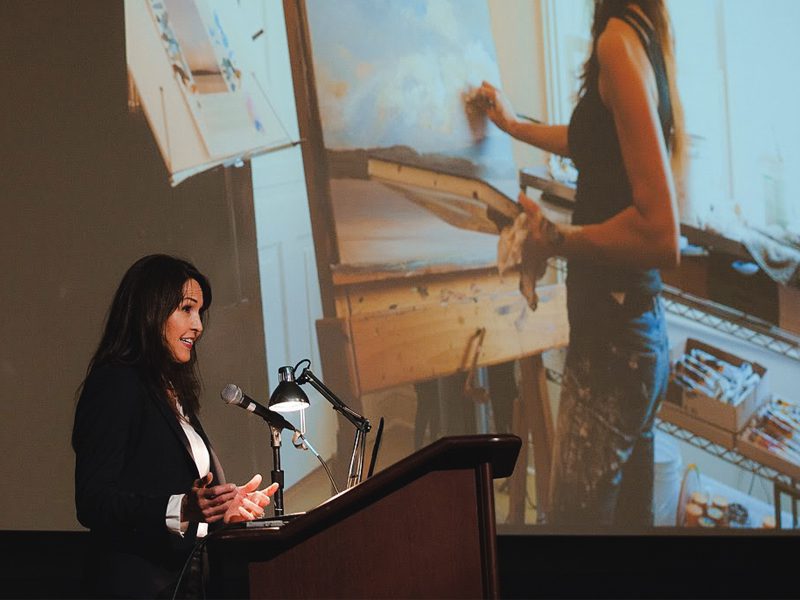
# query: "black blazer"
x,y
131,455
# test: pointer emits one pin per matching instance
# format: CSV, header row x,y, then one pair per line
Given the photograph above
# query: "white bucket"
x,y
668,473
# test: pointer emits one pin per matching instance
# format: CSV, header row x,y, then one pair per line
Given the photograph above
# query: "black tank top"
x,y
603,187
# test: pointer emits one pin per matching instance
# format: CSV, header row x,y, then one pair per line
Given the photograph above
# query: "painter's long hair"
x,y
656,12
149,292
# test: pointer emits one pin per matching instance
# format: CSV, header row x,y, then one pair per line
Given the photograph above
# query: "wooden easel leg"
x,y
539,422
517,483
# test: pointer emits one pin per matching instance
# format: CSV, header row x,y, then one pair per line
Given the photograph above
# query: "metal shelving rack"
x,y
734,322
725,454
745,327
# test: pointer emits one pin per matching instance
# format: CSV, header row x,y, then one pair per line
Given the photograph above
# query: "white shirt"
x,y
203,461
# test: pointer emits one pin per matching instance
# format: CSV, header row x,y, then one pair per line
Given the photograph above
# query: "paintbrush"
x,y
476,106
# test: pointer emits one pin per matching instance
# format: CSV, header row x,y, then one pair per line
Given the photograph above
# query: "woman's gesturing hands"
x,y
250,502
227,502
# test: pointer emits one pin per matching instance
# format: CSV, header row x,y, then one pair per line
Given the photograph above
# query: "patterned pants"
x,y
615,377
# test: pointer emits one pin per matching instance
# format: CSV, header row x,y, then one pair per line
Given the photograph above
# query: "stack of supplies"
x,y
701,372
776,429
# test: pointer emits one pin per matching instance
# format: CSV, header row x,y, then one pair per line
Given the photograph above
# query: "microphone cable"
x,y
304,443
196,549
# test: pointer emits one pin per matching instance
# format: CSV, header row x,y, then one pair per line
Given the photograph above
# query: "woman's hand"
x,y
490,101
249,502
497,106
207,504
545,238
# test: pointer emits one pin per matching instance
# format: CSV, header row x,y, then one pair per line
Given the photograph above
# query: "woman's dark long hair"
x,y
656,12
149,292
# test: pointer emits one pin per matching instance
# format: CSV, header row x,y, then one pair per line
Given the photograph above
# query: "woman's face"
x,y
183,326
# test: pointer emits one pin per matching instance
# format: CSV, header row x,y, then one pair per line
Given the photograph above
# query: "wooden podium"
x,y
422,528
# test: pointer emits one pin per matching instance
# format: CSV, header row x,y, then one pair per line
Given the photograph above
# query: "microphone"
x,y
232,394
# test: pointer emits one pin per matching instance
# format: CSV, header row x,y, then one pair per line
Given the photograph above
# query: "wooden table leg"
x,y
536,418
517,483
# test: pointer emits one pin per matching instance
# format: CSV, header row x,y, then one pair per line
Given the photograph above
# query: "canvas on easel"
x,y
391,83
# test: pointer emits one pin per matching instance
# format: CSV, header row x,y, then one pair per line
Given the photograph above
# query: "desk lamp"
x,y
289,397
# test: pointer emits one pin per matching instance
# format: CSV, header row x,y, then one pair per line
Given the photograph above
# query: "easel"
x,y
387,323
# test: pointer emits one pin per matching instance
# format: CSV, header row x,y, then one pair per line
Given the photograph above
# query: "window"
x,y
739,89
740,93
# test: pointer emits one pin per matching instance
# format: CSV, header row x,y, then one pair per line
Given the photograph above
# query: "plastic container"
x,y
668,474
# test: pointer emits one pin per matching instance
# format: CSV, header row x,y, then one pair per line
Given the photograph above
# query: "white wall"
x,y
762,48
739,85
289,286
518,37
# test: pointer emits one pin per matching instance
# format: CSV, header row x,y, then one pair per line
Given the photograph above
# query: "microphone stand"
x,y
277,472
361,424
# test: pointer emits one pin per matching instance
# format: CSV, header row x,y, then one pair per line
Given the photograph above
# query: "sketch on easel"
x,y
391,80
191,50
205,104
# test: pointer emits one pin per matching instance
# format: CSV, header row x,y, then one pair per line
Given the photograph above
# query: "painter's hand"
x,y
207,504
497,105
545,238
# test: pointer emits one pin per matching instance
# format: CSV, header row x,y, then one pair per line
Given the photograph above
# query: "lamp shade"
x,y
288,396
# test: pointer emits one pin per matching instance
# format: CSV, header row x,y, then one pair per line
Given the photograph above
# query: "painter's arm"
x,y
644,235
550,138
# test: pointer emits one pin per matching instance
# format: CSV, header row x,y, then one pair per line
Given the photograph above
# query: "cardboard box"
x,y
704,408
673,414
763,456
789,308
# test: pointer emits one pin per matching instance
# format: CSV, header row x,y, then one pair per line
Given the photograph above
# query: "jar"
x,y
693,514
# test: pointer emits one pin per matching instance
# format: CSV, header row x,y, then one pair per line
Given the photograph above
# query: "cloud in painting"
x,y
392,73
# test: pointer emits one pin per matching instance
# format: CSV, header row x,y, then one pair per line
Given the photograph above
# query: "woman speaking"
x,y
147,482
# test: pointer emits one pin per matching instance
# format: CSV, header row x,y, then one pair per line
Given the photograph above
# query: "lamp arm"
x,y
356,467
361,423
